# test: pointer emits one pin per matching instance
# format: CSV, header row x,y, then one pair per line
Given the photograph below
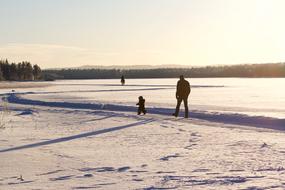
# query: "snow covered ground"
x,y
86,135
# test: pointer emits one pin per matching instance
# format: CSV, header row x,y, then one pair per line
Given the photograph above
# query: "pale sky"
x,y
68,33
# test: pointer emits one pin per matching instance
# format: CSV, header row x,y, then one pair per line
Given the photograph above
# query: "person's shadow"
x,y
73,137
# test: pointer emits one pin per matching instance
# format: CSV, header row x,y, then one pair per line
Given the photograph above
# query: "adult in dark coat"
x,y
123,80
182,92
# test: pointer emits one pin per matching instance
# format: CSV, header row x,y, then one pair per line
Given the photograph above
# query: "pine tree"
x,y
5,69
37,72
20,71
1,75
13,72
28,71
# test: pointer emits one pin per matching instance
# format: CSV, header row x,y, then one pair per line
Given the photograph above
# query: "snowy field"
x,y
85,134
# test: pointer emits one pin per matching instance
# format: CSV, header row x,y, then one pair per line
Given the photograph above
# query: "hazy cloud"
x,y
52,55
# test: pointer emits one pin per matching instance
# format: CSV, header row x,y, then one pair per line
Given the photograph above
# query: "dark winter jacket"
x,y
183,89
141,103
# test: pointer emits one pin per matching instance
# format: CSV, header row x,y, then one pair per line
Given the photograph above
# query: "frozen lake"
x,y
86,134
255,97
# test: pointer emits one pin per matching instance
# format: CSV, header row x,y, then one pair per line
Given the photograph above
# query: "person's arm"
x,y
177,87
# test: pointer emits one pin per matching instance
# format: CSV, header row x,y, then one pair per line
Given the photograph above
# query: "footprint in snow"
x,y
61,178
264,145
195,135
123,169
87,175
51,172
201,170
166,158
137,179
189,147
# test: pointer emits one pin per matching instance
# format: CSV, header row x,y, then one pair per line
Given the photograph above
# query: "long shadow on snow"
x,y
73,137
227,118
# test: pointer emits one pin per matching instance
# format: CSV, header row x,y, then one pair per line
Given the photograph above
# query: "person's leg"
x,y
186,107
139,111
179,100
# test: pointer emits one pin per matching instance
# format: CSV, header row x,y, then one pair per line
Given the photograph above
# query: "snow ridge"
x,y
226,118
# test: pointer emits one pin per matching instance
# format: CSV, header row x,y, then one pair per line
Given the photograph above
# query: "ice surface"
x,y
86,135
259,97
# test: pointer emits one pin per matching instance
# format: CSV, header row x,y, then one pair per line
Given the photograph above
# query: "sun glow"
x,y
196,32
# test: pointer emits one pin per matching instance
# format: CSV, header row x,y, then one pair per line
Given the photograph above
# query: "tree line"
x,y
22,71
247,70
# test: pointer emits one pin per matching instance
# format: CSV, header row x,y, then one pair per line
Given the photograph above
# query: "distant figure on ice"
x,y
182,92
141,108
122,80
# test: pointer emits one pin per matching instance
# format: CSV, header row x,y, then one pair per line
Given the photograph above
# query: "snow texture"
x,y
54,140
